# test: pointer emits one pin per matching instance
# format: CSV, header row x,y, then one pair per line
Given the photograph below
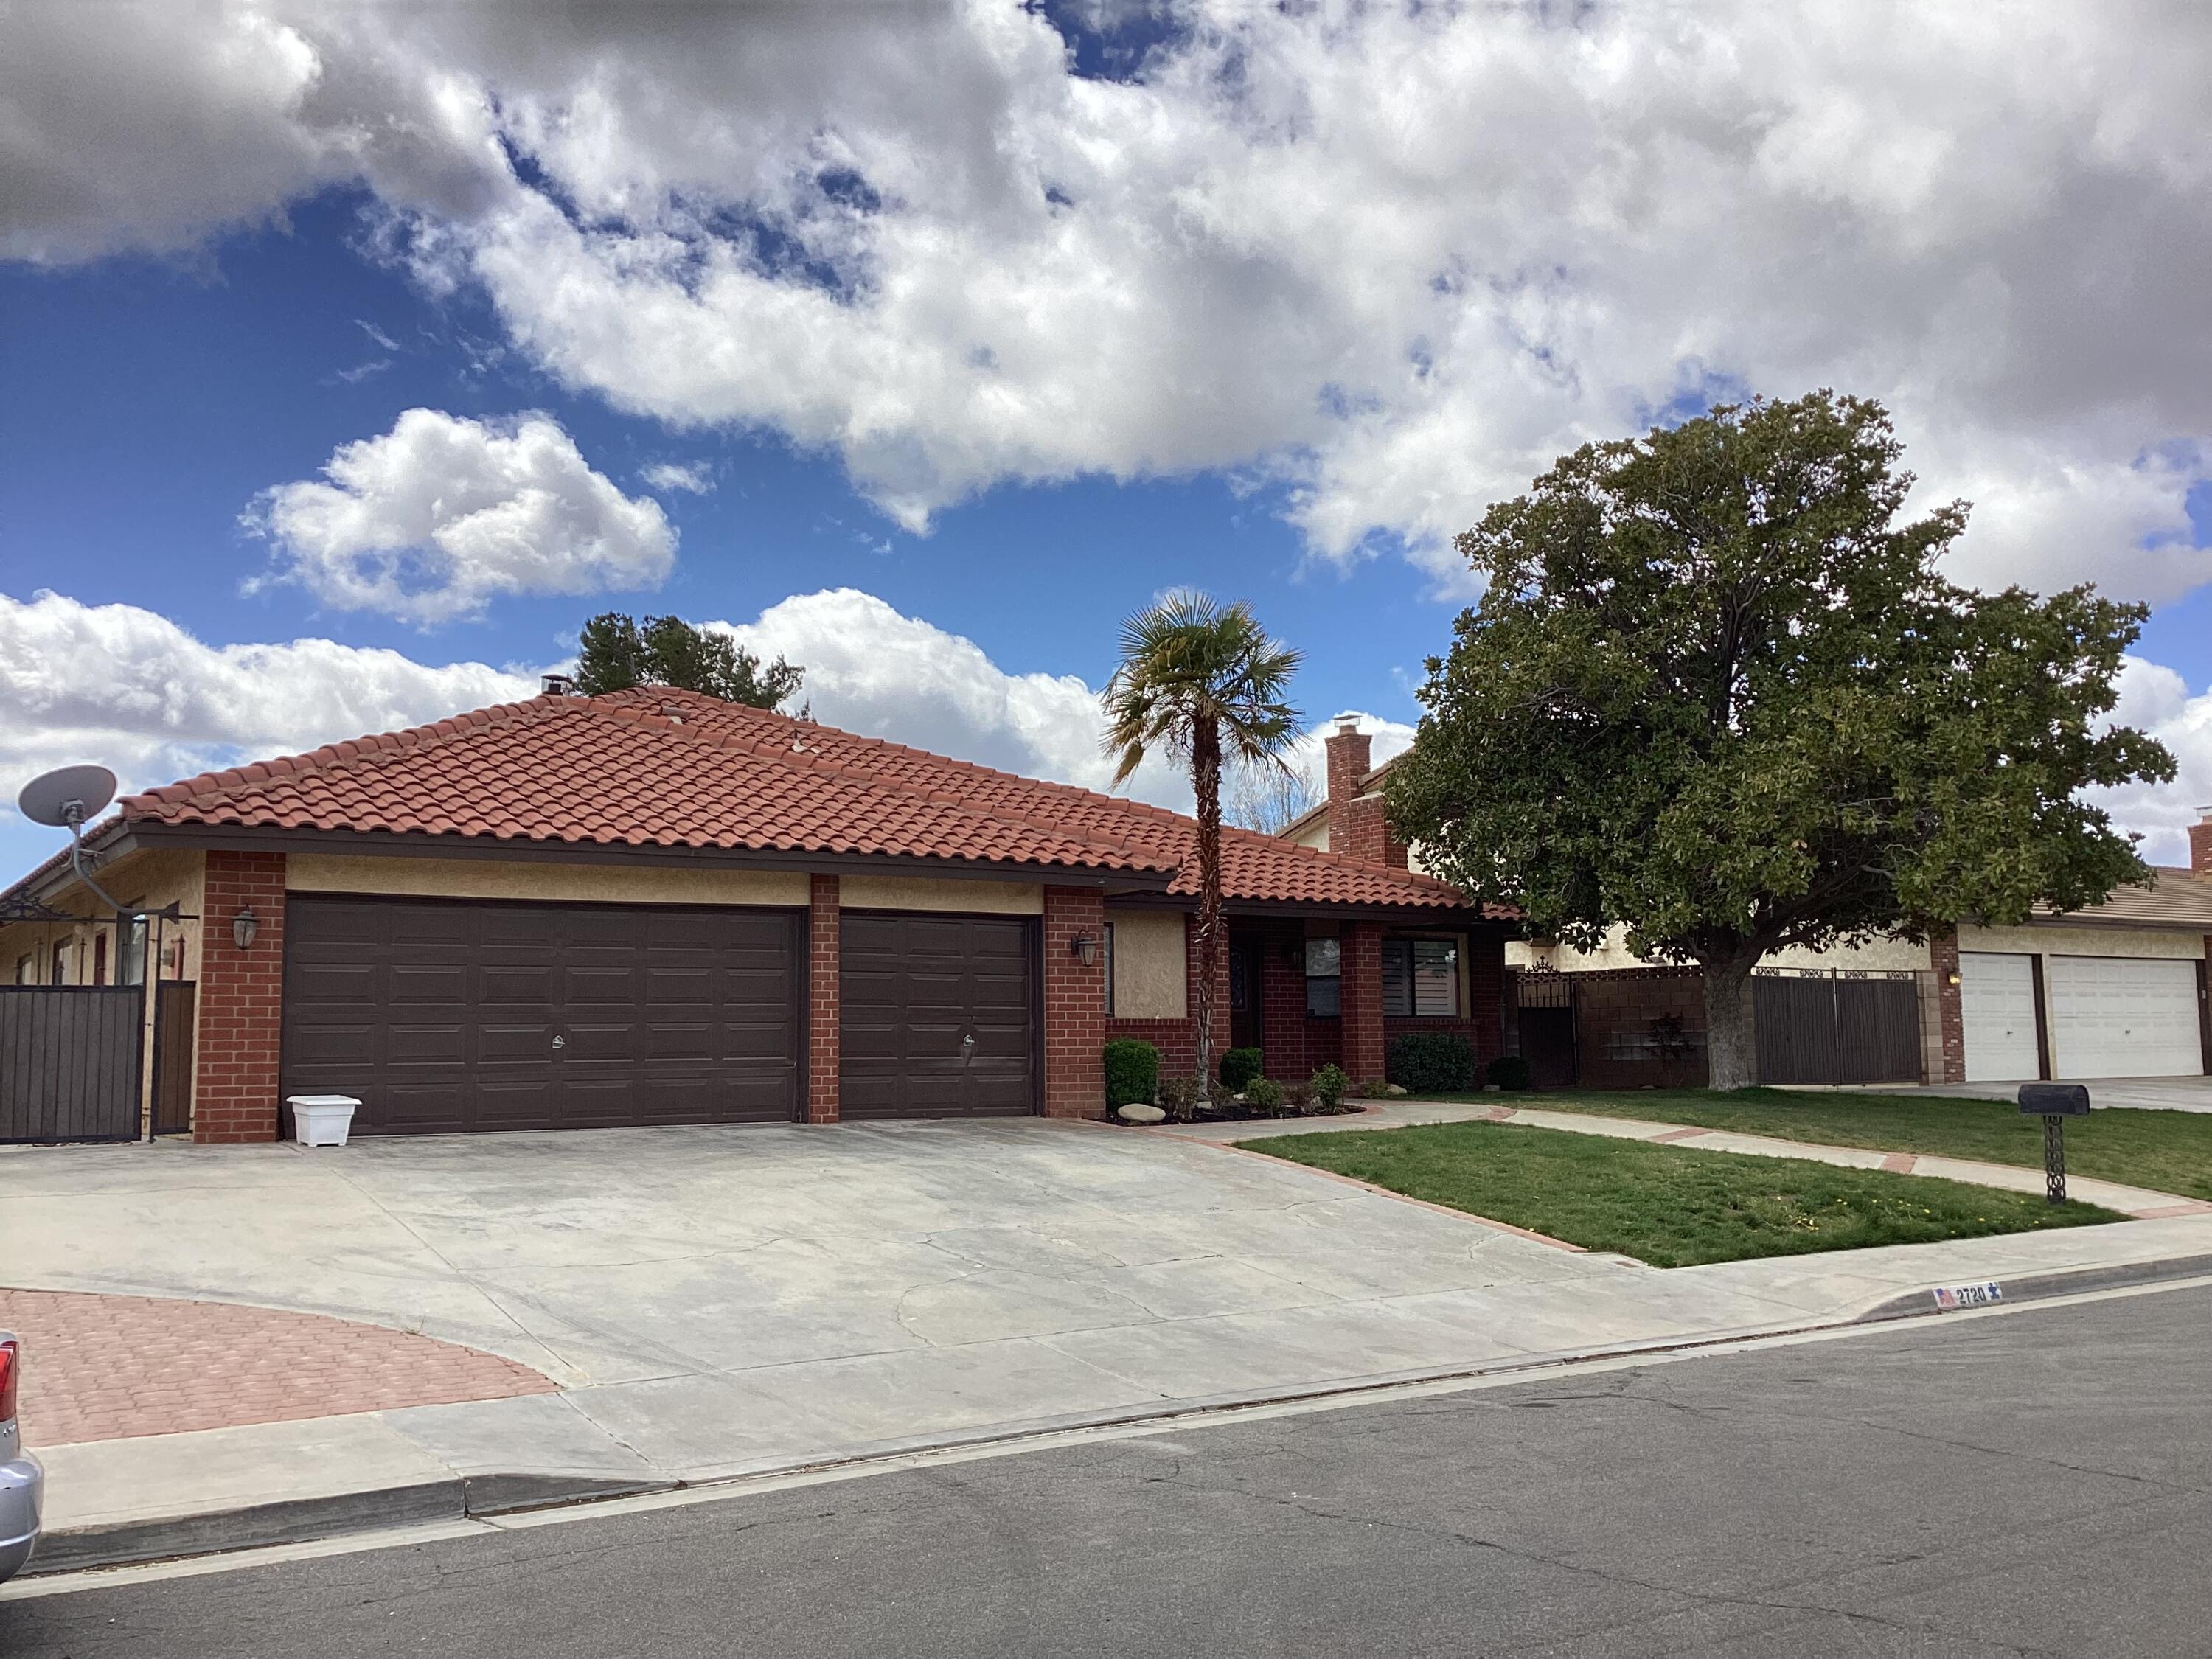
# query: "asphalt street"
x,y
2036,1483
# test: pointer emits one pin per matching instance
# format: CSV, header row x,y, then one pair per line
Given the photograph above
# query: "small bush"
x,y
1432,1063
1178,1096
1298,1099
1329,1084
1239,1066
1508,1071
1133,1072
1264,1094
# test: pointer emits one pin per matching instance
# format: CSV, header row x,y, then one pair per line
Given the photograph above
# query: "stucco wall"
x,y
1152,977
2084,941
606,884
998,898
1875,955
149,880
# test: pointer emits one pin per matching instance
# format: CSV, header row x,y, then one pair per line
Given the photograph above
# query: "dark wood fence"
x,y
69,1062
1644,1027
1823,1028
173,1003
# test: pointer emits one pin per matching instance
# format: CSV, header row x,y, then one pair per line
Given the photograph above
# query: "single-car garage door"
x,y
450,1015
2124,1017
937,1018
1997,1009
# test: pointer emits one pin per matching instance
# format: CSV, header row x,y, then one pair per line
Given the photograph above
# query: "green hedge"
x,y
1431,1063
1133,1072
1239,1066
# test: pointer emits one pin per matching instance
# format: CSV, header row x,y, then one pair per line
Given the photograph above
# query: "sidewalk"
x,y
2137,1201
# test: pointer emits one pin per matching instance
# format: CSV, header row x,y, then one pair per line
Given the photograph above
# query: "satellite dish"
x,y
68,798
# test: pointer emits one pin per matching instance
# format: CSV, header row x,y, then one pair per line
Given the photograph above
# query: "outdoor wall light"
x,y
243,926
1085,945
1951,979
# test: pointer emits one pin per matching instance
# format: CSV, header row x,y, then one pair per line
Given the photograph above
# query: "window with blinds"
x,y
1420,976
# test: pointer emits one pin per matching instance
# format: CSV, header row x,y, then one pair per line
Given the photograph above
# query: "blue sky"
x,y
940,316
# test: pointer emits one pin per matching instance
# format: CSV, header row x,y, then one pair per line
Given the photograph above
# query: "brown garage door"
x,y
939,1016
449,1015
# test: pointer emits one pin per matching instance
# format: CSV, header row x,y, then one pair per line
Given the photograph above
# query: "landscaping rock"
x,y
1395,1091
1133,1114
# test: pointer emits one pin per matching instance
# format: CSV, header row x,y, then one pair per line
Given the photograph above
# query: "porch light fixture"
x,y
243,926
1085,945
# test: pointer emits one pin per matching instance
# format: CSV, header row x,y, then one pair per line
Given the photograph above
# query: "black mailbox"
x,y
2054,1099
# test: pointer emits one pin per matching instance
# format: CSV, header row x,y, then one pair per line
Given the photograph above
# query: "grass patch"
x,y
1668,1206
2165,1151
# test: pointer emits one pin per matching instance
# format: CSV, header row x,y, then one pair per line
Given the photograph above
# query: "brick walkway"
x,y
115,1367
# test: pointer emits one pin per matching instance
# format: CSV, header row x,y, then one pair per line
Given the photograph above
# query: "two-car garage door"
x,y
446,1015
2104,1016
449,1015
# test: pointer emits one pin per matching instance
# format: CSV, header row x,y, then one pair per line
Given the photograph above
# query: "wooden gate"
x,y
1826,1028
175,1000
69,1058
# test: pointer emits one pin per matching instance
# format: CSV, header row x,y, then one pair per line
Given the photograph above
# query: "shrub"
x,y
1298,1099
1133,1072
1178,1096
1508,1071
1329,1084
1263,1094
1239,1066
1432,1063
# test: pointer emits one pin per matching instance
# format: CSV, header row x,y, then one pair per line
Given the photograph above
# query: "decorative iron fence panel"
x,y
69,1062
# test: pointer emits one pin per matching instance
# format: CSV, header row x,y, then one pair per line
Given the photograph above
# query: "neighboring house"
x,y
2115,990
654,907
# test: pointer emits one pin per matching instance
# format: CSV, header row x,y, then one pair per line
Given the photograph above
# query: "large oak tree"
x,y
1717,693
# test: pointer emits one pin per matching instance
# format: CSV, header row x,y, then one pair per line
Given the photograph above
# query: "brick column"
x,y
1485,992
824,1000
1362,993
1074,1005
241,1000
1944,957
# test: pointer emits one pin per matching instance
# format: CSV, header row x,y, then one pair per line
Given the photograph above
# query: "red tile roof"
x,y
659,768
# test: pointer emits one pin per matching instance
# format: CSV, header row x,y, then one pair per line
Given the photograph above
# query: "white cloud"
x,y
1396,258
871,670
443,513
2158,700
132,692
693,477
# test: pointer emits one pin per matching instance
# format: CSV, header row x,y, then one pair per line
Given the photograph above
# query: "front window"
x,y
1324,978
1420,976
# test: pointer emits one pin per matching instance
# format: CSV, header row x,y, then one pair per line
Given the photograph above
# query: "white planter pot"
x,y
321,1120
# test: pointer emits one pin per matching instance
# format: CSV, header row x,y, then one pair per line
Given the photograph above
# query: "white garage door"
x,y
2124,1017
1996,1004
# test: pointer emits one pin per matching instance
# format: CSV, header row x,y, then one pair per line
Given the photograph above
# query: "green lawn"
x,y
1668,1206
2165,1151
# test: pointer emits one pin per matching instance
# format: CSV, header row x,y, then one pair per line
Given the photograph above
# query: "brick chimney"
x,y
2200,832
1356,828
1348,751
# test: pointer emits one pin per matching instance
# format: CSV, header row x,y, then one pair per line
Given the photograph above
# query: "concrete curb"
x,y
256,1526
461,1498
2031,1287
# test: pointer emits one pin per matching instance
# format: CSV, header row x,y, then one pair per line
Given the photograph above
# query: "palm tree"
x,y
1201,680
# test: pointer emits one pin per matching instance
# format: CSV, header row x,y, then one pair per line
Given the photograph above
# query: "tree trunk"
x,y
1731,1050
1206,784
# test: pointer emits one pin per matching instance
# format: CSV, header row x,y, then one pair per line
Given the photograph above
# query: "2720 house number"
x,y
1968,1296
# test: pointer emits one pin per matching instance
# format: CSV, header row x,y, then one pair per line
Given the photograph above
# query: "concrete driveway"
x,y
2169,1094
709,1299
712,1301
